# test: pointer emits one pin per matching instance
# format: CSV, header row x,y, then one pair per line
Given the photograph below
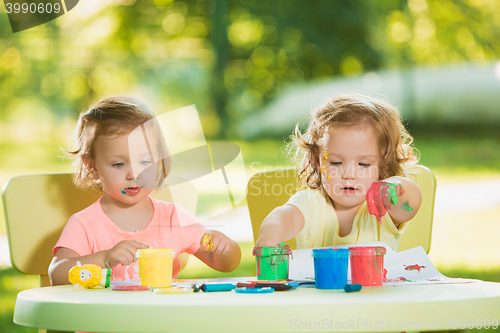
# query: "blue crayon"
x,y
218,287
349,288
213,287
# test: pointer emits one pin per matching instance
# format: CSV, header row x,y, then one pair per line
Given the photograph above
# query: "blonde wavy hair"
x,y
355,111
113,116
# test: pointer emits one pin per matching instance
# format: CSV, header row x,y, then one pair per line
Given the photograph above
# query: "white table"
x,y
402,308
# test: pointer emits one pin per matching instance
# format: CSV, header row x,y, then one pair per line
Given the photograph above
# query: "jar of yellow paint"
x,y
155,267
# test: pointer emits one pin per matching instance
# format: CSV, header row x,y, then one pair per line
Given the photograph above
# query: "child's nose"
x,y
348,172
130,174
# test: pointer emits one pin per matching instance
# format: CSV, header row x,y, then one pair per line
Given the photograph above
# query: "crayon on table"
x,y
349,288
214,287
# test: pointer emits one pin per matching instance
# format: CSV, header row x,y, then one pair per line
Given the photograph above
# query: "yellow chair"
x,y
36,209
268,190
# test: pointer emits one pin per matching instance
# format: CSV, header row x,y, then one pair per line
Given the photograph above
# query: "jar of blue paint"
x,y
330,268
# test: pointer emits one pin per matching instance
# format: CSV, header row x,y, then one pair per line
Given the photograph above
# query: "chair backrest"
x,y
36,209
268,190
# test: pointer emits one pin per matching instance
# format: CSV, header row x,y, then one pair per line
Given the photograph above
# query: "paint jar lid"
x,y
330,253
267,251
367,251
154,253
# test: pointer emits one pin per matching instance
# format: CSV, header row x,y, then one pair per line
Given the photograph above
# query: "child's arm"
x,y
219,252
282,224
64,259
408,203
405,191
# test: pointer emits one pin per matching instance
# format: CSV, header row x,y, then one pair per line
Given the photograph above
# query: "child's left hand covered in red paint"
x,y
216,242
398,196
381,195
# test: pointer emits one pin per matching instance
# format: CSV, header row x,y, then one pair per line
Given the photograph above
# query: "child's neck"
x,y
346,217
131,218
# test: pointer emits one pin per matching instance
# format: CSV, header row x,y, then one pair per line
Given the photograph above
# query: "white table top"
x,y
402,308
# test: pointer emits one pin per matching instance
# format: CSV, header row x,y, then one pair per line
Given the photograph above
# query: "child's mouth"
x,y
349,190
132,190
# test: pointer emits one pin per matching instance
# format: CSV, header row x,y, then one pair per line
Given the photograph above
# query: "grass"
x,y
452,242
457,154
11,283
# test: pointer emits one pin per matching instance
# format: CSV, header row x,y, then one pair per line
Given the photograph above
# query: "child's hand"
x,y
123,253
216,242
380,196
265,240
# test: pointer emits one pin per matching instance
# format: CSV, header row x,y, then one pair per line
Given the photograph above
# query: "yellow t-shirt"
x,y
322,225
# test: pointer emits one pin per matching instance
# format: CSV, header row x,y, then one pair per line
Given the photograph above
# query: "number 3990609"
x,y
32,8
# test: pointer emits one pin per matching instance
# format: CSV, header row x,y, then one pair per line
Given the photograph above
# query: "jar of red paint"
x,y
367,265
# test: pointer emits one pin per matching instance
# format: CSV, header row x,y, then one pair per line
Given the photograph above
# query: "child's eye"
x,y
145,162
364,164
335,163
118,164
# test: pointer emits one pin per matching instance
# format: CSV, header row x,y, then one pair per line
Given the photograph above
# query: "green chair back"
x,y
36,209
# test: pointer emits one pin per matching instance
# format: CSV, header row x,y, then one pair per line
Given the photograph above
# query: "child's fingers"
x,y
379,201
123,258
227,248
372,209
386,198
207,242
139,245
128,253
215,244
219,247
224,245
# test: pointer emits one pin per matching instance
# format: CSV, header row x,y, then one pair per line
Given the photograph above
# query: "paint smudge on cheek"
x,y
322,164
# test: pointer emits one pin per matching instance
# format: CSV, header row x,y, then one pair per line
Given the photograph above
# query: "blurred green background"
x,y
255,68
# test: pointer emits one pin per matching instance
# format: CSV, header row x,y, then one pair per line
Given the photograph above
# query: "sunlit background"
x,y
254,69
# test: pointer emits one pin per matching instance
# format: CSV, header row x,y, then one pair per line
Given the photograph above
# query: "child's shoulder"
x,y
88,215
92,209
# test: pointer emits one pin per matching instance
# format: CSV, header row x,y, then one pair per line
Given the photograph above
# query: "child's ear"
x,y
90,165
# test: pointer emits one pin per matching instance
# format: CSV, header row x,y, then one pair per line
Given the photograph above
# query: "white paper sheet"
x,y
408,267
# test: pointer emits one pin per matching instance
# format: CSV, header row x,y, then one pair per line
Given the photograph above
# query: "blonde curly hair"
x,y
355,111
112,116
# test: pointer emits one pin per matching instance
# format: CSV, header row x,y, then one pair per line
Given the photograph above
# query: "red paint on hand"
x,y
380,196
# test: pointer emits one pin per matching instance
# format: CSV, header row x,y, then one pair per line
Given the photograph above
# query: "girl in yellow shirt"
x,y
353,150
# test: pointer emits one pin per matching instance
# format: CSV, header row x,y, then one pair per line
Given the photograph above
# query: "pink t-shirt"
x,y
90,231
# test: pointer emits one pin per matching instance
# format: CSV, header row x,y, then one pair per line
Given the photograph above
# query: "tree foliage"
x,y
229,57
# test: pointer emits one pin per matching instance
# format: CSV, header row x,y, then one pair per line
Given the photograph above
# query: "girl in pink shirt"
x,y
120,151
